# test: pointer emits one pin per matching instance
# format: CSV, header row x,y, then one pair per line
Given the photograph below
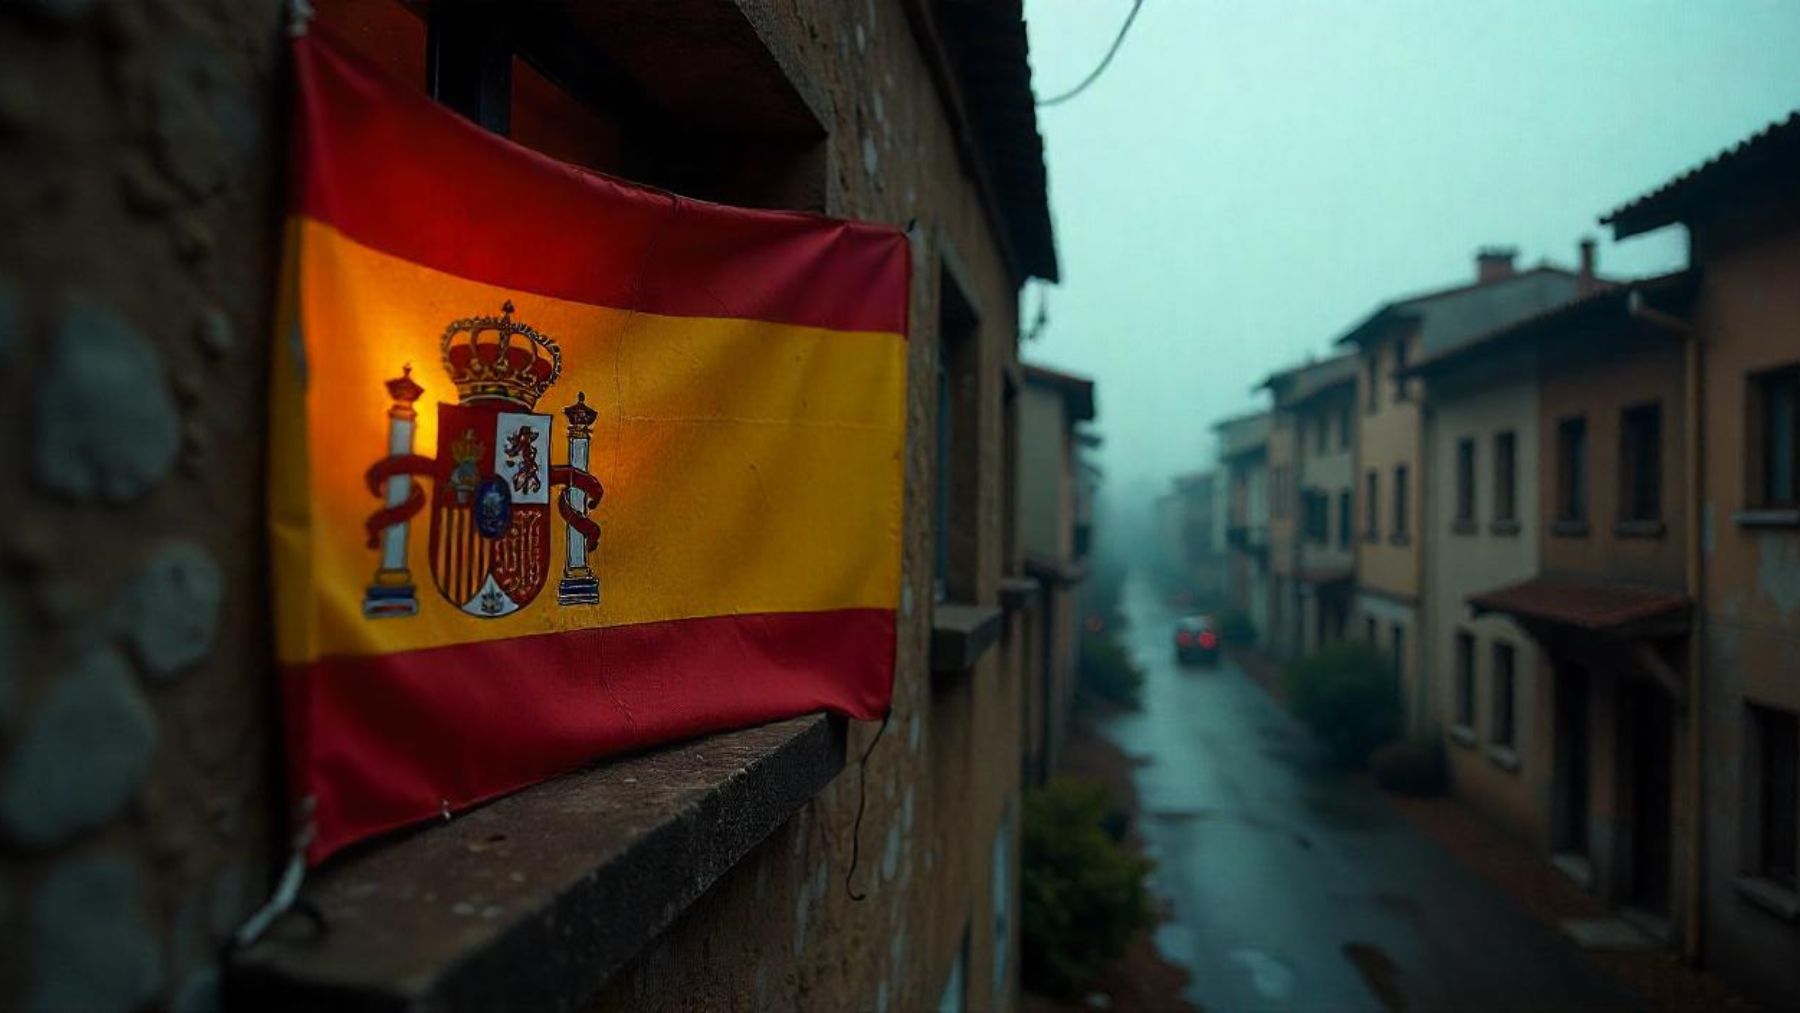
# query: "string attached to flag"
x,y
862,802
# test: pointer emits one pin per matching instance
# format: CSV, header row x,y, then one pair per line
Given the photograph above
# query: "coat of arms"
x,y
492,480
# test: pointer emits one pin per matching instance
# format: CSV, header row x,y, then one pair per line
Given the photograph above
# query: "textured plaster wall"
x,y
1498,397
1749,318
1387,437
1598,378
138,796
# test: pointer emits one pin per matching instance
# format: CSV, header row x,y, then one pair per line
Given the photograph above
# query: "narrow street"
x,y
1294,887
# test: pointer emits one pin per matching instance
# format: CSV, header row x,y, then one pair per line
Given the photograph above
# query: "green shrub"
x,y
1108,671
1411,768
1236,629
1346,694
1082,895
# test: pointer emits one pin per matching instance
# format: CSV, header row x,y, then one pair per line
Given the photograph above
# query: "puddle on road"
x,y
1272,979
1379,973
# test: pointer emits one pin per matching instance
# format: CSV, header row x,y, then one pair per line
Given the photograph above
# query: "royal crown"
x,y
500,359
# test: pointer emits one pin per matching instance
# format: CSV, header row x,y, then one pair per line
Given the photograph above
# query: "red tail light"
x,y
1208,640
1184,638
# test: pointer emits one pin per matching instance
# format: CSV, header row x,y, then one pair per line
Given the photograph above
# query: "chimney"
x,y
1585,283
1494,263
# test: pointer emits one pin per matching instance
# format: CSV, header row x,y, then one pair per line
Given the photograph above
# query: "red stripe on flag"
x,y
395,171
385,741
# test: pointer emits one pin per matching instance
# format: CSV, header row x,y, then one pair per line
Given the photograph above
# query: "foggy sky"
x,y
1251,177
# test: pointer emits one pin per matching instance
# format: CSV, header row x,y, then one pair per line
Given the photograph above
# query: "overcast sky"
x,y
1250,177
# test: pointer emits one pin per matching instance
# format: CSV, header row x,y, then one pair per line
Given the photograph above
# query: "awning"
x,y
1321,576
1601,624
1593,606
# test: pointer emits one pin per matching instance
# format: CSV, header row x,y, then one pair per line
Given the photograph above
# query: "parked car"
x,y
1196,640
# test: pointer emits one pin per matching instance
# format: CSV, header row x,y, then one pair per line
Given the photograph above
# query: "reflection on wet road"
x,y
1294,888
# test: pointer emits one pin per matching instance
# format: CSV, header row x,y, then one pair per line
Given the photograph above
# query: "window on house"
x,y
1344,428
1399,370
1372,379
1775,435
1571,469
569,86
958,426
1344,521
1372,506
1400,501
1322,434
1370,632
1502,732
1465,680
1465,481
1640,463
1505,476
1775,795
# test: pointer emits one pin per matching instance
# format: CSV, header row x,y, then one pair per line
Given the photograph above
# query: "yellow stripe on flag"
x,y
728,450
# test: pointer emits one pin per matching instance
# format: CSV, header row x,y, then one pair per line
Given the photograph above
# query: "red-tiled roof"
x,y
1590,605
1582,311
1771,156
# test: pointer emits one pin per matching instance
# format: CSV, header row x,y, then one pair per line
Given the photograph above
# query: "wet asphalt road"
x,y
1294,888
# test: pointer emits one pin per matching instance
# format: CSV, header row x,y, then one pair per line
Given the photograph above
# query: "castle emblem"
x,y
492,480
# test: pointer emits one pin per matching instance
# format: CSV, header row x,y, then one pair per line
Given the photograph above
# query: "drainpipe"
x,y
1693,432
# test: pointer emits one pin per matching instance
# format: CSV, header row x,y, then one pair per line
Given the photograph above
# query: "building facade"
x,y
1742,213
1390,448
1053,511
1318,400
704,875
1244,459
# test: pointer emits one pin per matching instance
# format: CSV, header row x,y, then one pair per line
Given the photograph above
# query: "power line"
x,y
1118,41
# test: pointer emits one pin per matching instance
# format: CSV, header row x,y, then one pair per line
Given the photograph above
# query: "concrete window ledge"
x,y
534,901
1772,518
1463,526
1504,758
1400,538
961,634
1504,526
1018,592
1566,528
1462,735
1778,900
1575,866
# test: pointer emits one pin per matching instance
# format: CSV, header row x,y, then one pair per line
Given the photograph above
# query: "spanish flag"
x,y
561,466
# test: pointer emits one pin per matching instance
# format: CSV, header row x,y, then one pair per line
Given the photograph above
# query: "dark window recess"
x,y
1344,428
1345,523
1571,469
1465,481
1322,433
1640,463
1401,503
1504,688
1465,680
1372,380
469,62
1399,369
1317,505
1776,841
1370,632
958,405
1775,438
1506,451
1372,506
1397,638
